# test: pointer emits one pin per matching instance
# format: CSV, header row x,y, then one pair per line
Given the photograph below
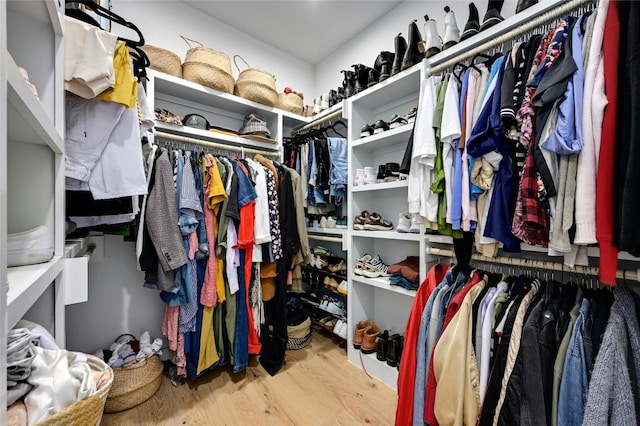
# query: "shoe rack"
x,y
374,298
31,163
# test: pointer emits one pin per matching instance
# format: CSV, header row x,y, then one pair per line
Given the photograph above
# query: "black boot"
x,y
361,78
348,83
374,77
383,346
394,352
383,65
400,47
492,16
472,27
525,4
413,55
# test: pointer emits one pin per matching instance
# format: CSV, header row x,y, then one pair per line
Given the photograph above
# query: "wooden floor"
x,y
316,386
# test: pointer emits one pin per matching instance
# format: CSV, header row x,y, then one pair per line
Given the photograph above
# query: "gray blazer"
x,y
161,220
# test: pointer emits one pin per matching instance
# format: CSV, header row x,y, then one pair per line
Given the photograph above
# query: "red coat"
x,y
407,375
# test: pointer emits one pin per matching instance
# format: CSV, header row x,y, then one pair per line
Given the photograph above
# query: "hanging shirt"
x,y
125,89
450,133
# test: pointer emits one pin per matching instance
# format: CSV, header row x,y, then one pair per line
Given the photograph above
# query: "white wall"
x,y
163,22
380,35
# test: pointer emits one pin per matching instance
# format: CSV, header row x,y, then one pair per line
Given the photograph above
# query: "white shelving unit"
x,y
224,110
374,298
31,162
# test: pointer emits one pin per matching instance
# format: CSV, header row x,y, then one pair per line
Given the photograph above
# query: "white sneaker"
x,y
324,101
29,247
331,222
323,222
416,221
404,223
343,287
316,106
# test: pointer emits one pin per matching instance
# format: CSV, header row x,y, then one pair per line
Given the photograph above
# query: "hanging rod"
x,y
509,29
535,264
323,238
222,147
336,114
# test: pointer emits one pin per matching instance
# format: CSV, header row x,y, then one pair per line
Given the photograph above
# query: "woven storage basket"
x,y
134,385
255,84
208,67
163,60
291,102
87,411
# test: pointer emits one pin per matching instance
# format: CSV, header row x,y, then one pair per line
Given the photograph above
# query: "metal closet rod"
x,y
214,145
512,34
337,113
535,264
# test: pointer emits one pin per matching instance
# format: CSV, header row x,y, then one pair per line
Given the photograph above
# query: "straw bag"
x,y
163,60
134,384
255,84
208,67
87,411
291,102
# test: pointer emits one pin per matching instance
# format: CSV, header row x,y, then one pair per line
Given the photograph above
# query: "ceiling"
x,y
307,29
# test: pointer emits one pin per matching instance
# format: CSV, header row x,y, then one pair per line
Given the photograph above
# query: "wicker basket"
x,y
291,102
208,67
255,84
163,60
87,411
134,385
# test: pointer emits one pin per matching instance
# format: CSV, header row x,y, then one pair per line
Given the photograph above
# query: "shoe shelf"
x,y
404,84
388,235
391,137
374,367
215,137
327,231
26,285
325,273
381,186
27,119
382,283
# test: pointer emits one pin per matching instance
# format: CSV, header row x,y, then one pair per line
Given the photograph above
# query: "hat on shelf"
x,y
255,127
196,121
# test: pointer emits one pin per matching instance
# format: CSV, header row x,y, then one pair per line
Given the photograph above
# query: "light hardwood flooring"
x,y
316,386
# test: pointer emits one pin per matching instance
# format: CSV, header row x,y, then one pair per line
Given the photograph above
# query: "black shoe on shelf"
x,y
380,127
383,346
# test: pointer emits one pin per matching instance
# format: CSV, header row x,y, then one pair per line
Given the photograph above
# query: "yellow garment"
x,y
456,368
208,351
216,196
222,295
125,90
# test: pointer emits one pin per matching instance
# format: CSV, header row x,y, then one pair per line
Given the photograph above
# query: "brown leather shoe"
x,y
369,343
359,335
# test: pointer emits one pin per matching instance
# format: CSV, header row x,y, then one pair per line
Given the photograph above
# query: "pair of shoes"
x,y
409,223
375,222
340,328
371,267
369,130
333,306
358,222
29,247
397,121
330,283
433,43
365,336
389,348
341,222
491,18
388,172
339,267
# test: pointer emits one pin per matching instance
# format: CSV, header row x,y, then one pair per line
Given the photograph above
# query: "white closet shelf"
x,y
388,235
328,111
381,186
379,369
402,85
185,89
45,11
205,135
385,139
327,231
27,120
26,285
382,283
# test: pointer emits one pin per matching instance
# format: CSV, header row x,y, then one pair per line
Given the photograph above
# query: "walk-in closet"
x,y
309,213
